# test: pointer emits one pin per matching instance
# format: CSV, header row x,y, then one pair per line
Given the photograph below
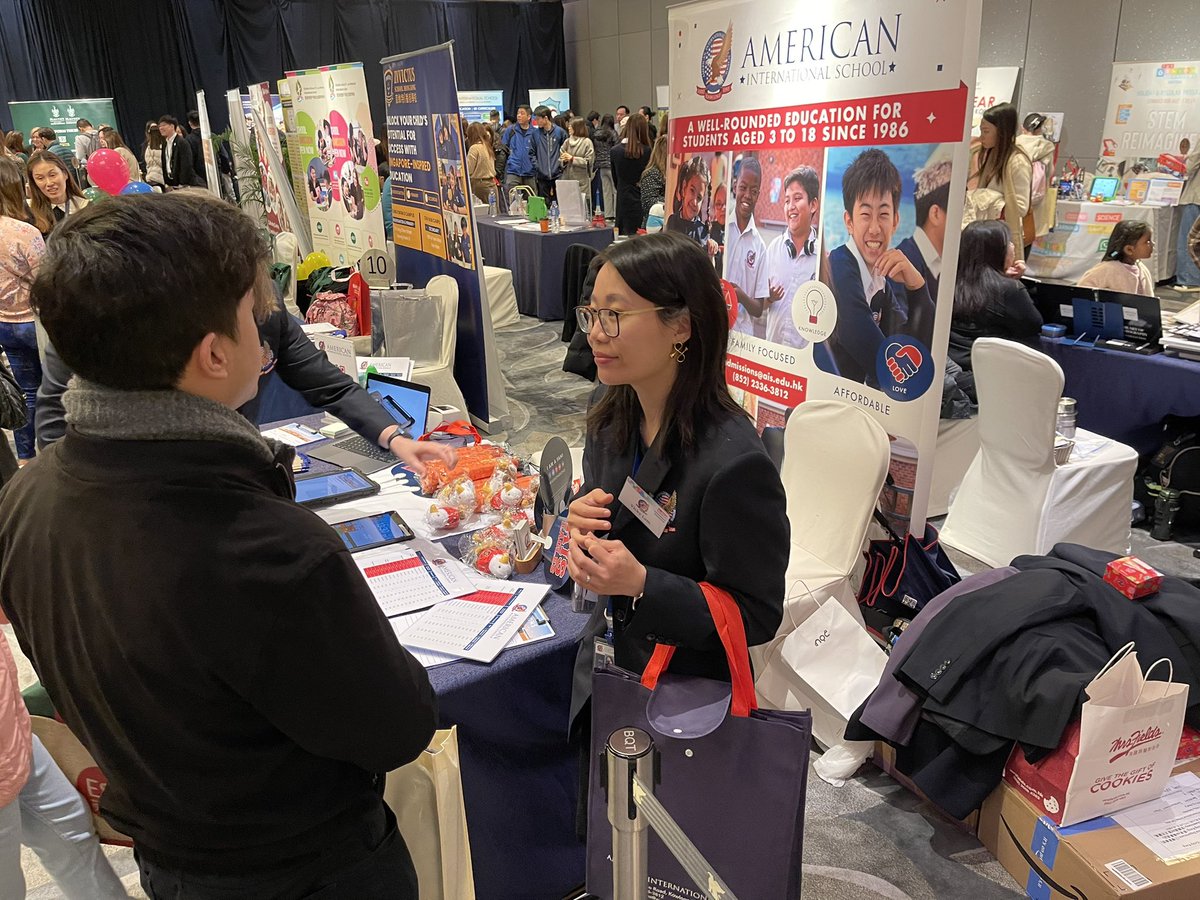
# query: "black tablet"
x,y
325,488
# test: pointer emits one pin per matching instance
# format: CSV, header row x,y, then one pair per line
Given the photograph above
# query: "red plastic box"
x,y
1132,577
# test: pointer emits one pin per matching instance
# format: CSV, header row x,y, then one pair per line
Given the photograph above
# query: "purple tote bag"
x,y
731,775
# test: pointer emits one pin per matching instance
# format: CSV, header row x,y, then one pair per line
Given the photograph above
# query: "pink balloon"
x,y
107,171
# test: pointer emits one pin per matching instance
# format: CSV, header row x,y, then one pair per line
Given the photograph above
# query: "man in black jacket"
x,y
177,167
195,142
210,642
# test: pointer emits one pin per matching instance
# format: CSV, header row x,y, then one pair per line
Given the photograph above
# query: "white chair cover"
x,y
444,390
1014,499
835,460
957,444
501,296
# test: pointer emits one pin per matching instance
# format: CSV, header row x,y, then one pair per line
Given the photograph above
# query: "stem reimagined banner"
x,y
1153,107
337,148
819,153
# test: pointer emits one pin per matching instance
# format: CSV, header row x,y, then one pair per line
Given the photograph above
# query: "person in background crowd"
x,y
620,114
931,195
548,139
1040,150
518,139
53,193
493,121
21,249
603,141
385,193
176,155
1000,164
658,329
987,303
653,183
39,807
1122,268
1187,272
196,145
111,139
481,161
46,139
629,158
14,144
167,348
650,126
87,142
152,156
578,156
593,122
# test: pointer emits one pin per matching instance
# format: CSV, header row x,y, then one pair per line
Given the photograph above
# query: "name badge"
x,y
642,505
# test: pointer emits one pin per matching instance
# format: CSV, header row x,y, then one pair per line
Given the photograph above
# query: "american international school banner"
x,y
337,148
818,152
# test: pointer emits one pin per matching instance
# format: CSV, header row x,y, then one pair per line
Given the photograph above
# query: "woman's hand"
x,y
590,513
606,567
1016,270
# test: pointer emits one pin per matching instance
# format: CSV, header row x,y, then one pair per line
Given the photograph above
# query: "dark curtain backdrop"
x,y
152,56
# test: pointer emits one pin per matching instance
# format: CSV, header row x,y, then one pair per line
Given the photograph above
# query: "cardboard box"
x,y
1094,860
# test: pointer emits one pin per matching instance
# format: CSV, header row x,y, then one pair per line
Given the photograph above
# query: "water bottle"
x,y
493,208
1065,420
554,224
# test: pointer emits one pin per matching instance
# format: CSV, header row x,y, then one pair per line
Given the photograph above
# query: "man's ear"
x,y
848,220
210,358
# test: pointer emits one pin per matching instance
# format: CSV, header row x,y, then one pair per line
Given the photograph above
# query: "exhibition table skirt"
x,y
535,259
1081,232
1125,396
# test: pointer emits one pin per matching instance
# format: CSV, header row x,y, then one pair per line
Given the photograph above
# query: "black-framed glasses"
x,y
610,319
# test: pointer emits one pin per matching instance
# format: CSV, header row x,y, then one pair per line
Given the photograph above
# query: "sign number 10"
x,y
376,268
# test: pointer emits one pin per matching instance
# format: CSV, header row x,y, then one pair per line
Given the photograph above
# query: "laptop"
x,y
406,402
1096,313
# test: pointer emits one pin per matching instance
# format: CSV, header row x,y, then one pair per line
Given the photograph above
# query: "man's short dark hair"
x,y
542,112
622,106
193,117
124,308
807,178
751,164
939,196
871,171
83,123
526,107
647,112
593,116
170,120
46,134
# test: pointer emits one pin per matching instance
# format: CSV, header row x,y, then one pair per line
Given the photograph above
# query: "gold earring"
x,y
678,351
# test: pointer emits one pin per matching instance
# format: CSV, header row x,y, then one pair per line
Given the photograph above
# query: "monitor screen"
x,y
407,403
1104,188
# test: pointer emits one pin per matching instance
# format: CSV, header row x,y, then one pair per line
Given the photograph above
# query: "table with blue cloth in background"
x,y
1124,396
520,776
535,259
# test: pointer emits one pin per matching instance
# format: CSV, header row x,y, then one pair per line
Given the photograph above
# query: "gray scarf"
x,y
105,412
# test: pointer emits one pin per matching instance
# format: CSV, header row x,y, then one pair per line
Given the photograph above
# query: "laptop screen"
x,y
406,402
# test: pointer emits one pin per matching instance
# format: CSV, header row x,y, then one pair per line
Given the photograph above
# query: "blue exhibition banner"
x,y
433,226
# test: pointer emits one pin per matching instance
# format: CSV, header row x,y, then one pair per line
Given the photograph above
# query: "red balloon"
x,y
107,171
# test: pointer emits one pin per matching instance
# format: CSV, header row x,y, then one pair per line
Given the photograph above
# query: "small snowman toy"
x,y
509,496
496,563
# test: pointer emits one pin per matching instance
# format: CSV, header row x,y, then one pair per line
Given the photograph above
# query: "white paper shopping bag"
x,y
1128,736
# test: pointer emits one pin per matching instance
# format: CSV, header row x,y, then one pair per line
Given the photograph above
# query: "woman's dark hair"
x,y
607,121
15,141
124,308
982,251
1003,117
672,271
12,192
111,136
39,203
1124,233
637,136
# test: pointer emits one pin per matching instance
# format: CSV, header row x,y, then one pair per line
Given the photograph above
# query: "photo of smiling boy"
x,y
792,256
878,290
745,250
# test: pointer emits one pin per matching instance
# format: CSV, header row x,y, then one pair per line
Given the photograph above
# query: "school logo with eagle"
x,y
715,63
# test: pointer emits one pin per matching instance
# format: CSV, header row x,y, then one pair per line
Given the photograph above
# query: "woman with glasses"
x,y
657,325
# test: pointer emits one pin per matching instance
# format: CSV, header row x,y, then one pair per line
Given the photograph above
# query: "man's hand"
x,y
415,454
774,292
895,265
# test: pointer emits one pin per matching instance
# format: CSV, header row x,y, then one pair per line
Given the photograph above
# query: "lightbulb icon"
x,y
815,301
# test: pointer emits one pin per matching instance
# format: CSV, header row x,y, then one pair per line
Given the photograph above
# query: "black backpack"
x,y
1168,484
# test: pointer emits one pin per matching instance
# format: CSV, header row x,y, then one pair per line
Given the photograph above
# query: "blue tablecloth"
x,y
536,261
1125,396
520,777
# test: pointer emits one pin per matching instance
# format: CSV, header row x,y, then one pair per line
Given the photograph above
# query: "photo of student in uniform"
x,y
792,257
745,250
691,193
931,194
878,290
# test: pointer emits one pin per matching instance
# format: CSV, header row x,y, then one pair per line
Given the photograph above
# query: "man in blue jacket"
x,y
548,139
519,141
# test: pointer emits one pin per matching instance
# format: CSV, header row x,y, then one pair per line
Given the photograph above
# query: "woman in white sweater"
x,y
578,155
1122,269
1000,164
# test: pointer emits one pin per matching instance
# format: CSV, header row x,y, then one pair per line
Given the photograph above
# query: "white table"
x,y
1082,228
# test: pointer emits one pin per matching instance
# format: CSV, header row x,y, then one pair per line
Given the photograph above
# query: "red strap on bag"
x,y
456,429
727,617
